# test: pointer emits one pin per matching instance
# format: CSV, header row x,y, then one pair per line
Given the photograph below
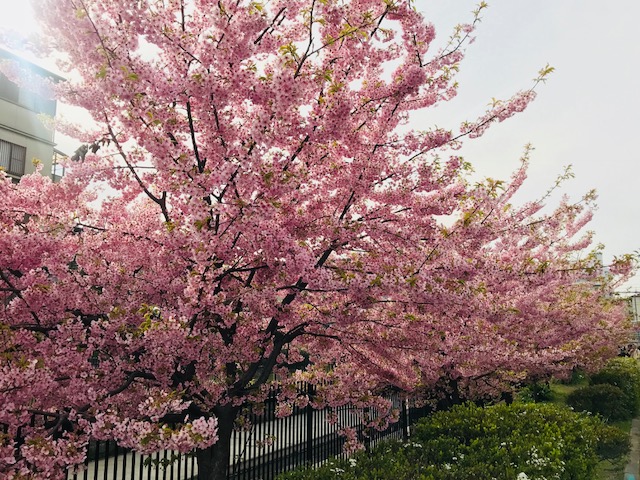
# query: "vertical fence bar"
x,y
277,441
249,446
193,463
164,465
150,458
279,427
404,418
179,468
286,454
141,467
309,415
250,458
125,459
96,449
238,454
366,431
231,469
157,462
105,462
298,435
298,438
256,448
269,448
115,460
133,465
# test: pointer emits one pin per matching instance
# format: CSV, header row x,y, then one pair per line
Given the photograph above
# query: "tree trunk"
x,y
214,461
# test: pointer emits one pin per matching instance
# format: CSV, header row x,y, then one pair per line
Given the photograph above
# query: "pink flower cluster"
x,y
149,437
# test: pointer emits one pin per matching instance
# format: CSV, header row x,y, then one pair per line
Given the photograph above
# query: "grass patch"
x,y
560,392
607,470
624,425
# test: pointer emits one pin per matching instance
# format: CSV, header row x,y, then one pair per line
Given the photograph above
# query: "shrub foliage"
x,y
606,400
624,373
492,443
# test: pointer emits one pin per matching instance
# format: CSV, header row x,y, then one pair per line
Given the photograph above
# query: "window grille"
x,y
12,158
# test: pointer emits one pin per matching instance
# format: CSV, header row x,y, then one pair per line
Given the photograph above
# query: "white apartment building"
x,y
23,136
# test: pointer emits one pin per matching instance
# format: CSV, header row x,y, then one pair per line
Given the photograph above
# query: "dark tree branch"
x,y
270,27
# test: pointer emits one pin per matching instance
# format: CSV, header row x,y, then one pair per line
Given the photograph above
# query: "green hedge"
x,y
492,443
624,373
606,400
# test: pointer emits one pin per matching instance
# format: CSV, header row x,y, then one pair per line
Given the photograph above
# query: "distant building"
x,y
634,310
634,303
23,136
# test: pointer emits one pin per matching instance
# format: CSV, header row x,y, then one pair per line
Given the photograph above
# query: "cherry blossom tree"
x,y
251,210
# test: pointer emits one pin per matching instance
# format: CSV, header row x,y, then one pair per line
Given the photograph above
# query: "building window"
x,y
13,93
9,90
12,158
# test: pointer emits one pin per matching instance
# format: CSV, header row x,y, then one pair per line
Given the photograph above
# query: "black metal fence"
x,y
306,437
268,446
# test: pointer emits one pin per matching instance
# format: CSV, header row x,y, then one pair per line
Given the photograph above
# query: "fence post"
x,y
404,418
309,413
366,431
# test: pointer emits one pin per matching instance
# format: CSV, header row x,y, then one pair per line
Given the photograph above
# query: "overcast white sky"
x,y
586,115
